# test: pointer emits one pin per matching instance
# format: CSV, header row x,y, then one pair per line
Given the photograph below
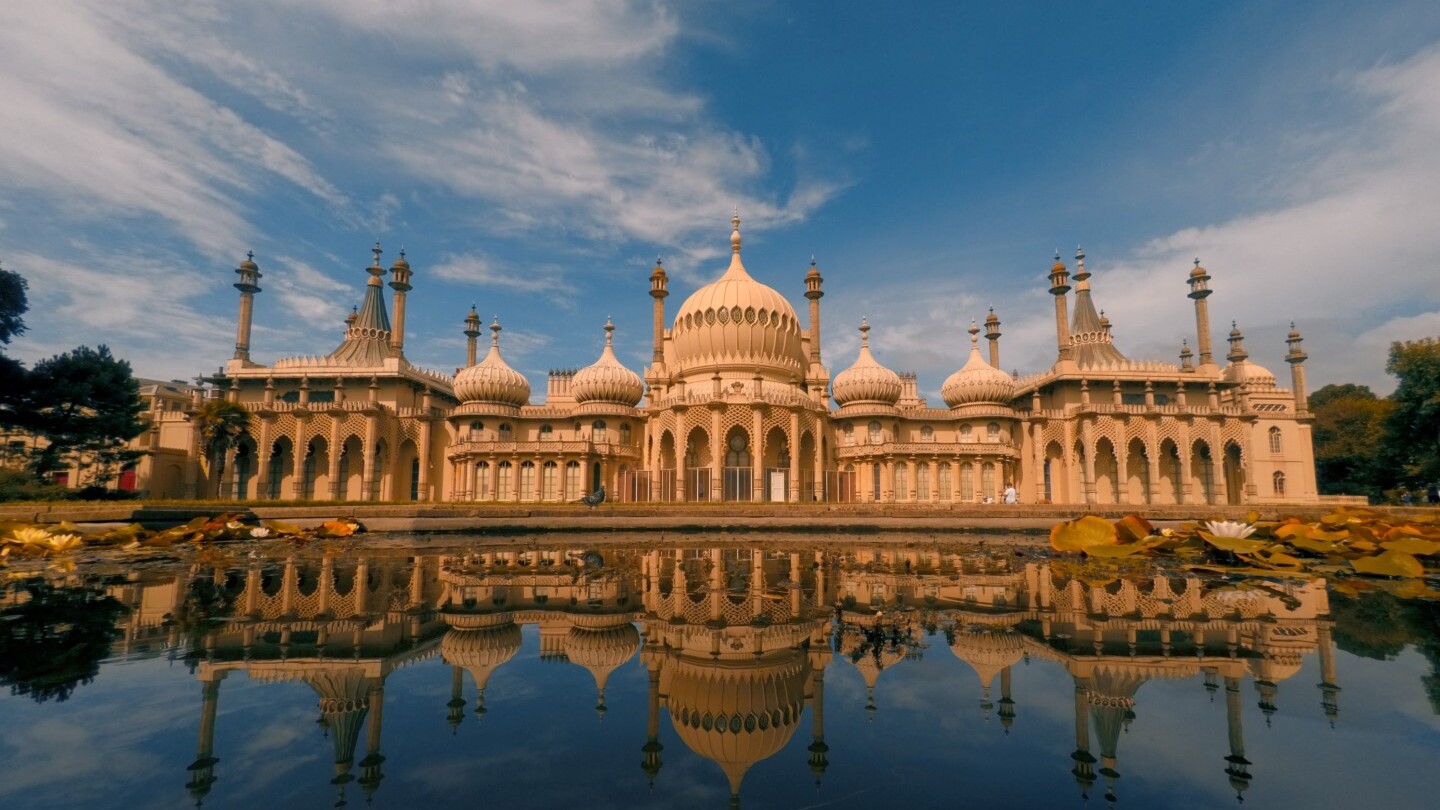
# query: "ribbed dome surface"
x,y
1249,373
606,380
602,651
977,381
988,652
737,713
481,651
492,379
737,321
866,381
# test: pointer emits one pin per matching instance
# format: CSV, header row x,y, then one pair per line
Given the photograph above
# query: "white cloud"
x,y
481,271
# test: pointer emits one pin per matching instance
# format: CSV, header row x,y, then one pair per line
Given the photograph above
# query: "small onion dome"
x,y
1058,266
977,381
602,650
606,380
401,261
866,381
492,380
249,263
1198,270
1249,372
480,650
988,652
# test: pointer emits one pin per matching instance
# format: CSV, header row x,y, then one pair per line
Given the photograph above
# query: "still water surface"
x,y
774,674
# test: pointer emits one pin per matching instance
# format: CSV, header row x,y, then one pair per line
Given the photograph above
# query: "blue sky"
x,y
535,158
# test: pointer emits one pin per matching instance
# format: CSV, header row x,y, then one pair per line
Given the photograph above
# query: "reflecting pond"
x,y
777,673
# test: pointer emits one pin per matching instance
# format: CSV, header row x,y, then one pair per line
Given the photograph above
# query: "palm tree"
x,y
222,423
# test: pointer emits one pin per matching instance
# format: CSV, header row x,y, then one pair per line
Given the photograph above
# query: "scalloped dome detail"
x,y
736,320
1248,372
866,381
977,381
607,380
492,379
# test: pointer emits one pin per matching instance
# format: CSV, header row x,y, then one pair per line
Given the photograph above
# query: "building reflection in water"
x,y
735,640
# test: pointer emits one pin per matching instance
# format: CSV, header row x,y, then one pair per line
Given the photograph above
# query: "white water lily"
x,y
1229,528
259,532
30,536
65,542
234,525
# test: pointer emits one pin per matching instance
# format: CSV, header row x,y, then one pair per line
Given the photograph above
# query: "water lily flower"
x,y
65,542
259,532
30,536
1229,528
234,525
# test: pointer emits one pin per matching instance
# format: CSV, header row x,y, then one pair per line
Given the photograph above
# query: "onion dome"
x,y
866,381
737,713
1198,271
480,643
492,379
606,380
977,381
738,322
600,645
988,652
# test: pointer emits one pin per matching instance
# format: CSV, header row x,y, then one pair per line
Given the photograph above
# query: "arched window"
x,y
572,480
1275,446
992,432
847,430
475,428
967,482
625,433
875,435
902,481
922,481
503,483
482,481
527,480
944,481
927,434
599,425
504,432
987,481
966,434
1278,480
550,481
546,432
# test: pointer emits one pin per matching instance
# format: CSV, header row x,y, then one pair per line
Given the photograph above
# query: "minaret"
x,y
1199,291
1296,357
813,280
456,706
1329,689
1084,770
472,332
1185,355
818,748
400,283
1059,285
652,748
1239,768
1007,705
202,770
370,774
658,291
1237,351
992,334
248,285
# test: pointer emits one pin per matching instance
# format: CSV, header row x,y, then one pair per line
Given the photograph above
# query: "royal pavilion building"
x,y
737,404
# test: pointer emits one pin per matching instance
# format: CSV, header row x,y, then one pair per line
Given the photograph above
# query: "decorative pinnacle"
x,y
609,331
1197,261
735,232
249,255
974,334
495,331
864,333
377,251
812,259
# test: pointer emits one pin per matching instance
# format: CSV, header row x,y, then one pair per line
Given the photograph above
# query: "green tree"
x,y
85,404
1349,429
55,637
13,305
222,424
1412,430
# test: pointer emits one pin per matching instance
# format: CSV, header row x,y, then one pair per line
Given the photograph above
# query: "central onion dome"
x,y
988,651
492,379
601,644
866,381
977,381
606,380
480,643
739,323
737,713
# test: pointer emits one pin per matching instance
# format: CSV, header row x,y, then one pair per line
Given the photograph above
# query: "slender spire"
x,y
1237,345
735,232
864,333
495,331
609,332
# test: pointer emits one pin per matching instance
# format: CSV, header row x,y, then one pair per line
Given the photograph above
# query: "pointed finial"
x,y
1197,261
812,259
402,251
609,331
377,251
659,263
864,333
249,255
495,331
735,232
974,331
355,308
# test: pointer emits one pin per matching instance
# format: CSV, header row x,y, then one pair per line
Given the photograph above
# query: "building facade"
x,y
737,405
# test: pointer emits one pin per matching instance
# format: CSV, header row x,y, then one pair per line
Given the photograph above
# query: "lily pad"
x,y
1234,544
1389,564
1413,545
1079,534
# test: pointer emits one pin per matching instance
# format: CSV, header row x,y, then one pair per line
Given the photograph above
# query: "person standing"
x,y
1011,496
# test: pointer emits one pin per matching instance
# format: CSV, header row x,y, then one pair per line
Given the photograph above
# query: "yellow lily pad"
x,y
1133,529
1413,545
1234,544
1316,546
1079,534
1114,551
1389,564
